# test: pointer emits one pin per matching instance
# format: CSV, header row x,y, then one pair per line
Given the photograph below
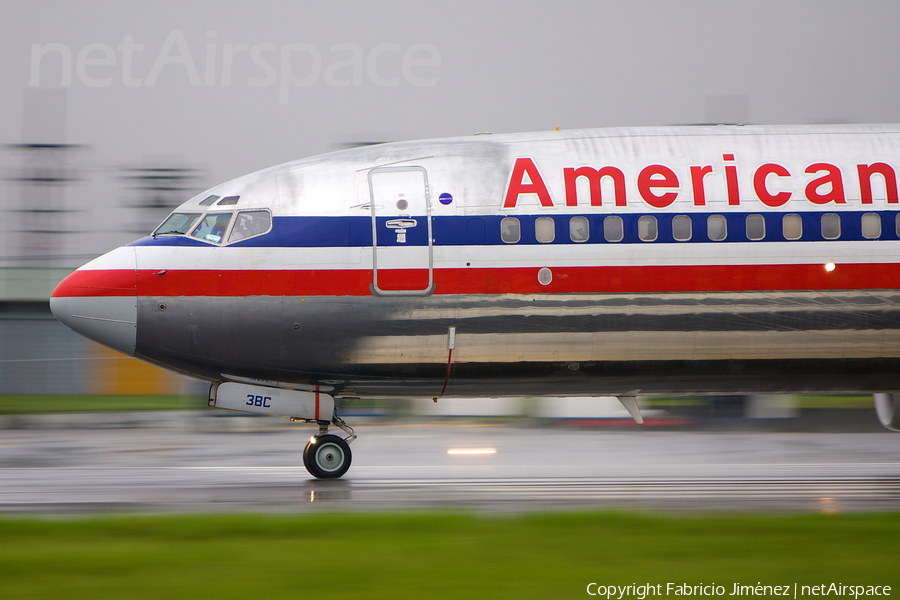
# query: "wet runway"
x,y
429,466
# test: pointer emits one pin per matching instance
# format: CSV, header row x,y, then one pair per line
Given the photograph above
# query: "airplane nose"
x,y
99,300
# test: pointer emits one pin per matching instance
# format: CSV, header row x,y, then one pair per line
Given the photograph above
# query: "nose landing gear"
x,y
328,456
325,456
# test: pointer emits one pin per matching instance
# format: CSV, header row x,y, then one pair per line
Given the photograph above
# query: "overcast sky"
x,y
311,77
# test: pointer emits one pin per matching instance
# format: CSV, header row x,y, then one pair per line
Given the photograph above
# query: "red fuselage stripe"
x,y
84,283
644,279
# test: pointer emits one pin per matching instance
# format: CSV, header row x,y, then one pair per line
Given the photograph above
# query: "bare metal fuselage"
x,y
537,344
358,290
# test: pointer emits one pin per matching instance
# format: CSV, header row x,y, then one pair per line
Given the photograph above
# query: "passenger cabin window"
x,y
249,224
177,224
871,226
897,224
510,230
647,228
792,227
681,228
212,228
831,226
579,229
613,229
545,229
756,227
209,200
228,201
716,228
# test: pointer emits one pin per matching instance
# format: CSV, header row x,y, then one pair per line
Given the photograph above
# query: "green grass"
x,y
19,405
418,556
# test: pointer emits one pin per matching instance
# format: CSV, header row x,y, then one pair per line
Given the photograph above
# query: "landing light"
x,y
472,451
829,267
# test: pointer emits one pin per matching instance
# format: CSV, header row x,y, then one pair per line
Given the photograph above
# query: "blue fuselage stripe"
x,y
335,232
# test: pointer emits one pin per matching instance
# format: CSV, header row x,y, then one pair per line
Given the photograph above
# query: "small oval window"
x,y
545,229
716,228
579,229
831,226
871,226
647,230
792,227
613,229
510,230
756,227
681,228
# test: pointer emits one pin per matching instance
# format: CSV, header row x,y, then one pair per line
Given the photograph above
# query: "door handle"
x,y
401,223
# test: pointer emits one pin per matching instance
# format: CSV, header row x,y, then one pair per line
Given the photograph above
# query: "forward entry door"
x,y
402,251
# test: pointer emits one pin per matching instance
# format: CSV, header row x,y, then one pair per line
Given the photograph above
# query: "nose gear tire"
x,y
328,457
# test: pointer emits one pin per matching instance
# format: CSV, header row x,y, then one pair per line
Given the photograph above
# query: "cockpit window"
x,y
177,224
228,200
209,200
249,224
212,228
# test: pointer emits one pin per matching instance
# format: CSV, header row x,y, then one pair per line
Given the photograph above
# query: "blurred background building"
x,y
54,221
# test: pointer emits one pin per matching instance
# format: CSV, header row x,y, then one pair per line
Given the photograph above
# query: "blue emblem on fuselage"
x,y
445,198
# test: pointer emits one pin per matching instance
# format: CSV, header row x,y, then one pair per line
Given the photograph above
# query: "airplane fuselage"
x,y
691,260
